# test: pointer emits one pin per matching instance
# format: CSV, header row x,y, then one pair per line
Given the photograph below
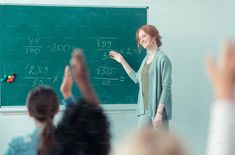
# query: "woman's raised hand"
x,y
116,56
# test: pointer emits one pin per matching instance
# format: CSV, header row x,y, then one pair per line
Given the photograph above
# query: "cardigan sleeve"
x,y
166,81
134,76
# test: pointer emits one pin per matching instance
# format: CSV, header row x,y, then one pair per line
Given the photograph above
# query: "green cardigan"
x,y
159,85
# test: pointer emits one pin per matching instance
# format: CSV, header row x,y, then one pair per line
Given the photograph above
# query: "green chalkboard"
x,y
36,43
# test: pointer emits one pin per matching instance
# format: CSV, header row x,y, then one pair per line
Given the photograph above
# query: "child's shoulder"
x,y
24,143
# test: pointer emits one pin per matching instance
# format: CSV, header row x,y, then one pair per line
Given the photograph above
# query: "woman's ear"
x,y
154,40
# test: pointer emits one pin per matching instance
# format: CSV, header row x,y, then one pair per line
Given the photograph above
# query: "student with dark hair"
x,y
42,104
84,128
154,78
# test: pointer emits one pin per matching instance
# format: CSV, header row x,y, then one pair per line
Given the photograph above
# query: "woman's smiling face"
x,y
145,40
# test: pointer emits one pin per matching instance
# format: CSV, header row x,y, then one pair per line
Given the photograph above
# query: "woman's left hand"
x,y
157,120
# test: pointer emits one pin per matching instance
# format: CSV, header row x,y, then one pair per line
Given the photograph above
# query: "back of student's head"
x,y
150,142
83,130
42,104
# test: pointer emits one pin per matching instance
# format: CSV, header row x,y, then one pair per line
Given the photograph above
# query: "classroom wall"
x,y
189,29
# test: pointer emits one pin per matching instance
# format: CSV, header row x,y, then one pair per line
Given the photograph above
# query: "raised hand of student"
x,y
222,75
67,83
78,67
116,56
80,75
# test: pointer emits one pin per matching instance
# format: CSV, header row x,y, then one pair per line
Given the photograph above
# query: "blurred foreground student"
x,y
42,105
150,142
84,128
222,123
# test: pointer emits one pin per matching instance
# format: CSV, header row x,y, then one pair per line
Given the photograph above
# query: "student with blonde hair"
x,y
150,142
